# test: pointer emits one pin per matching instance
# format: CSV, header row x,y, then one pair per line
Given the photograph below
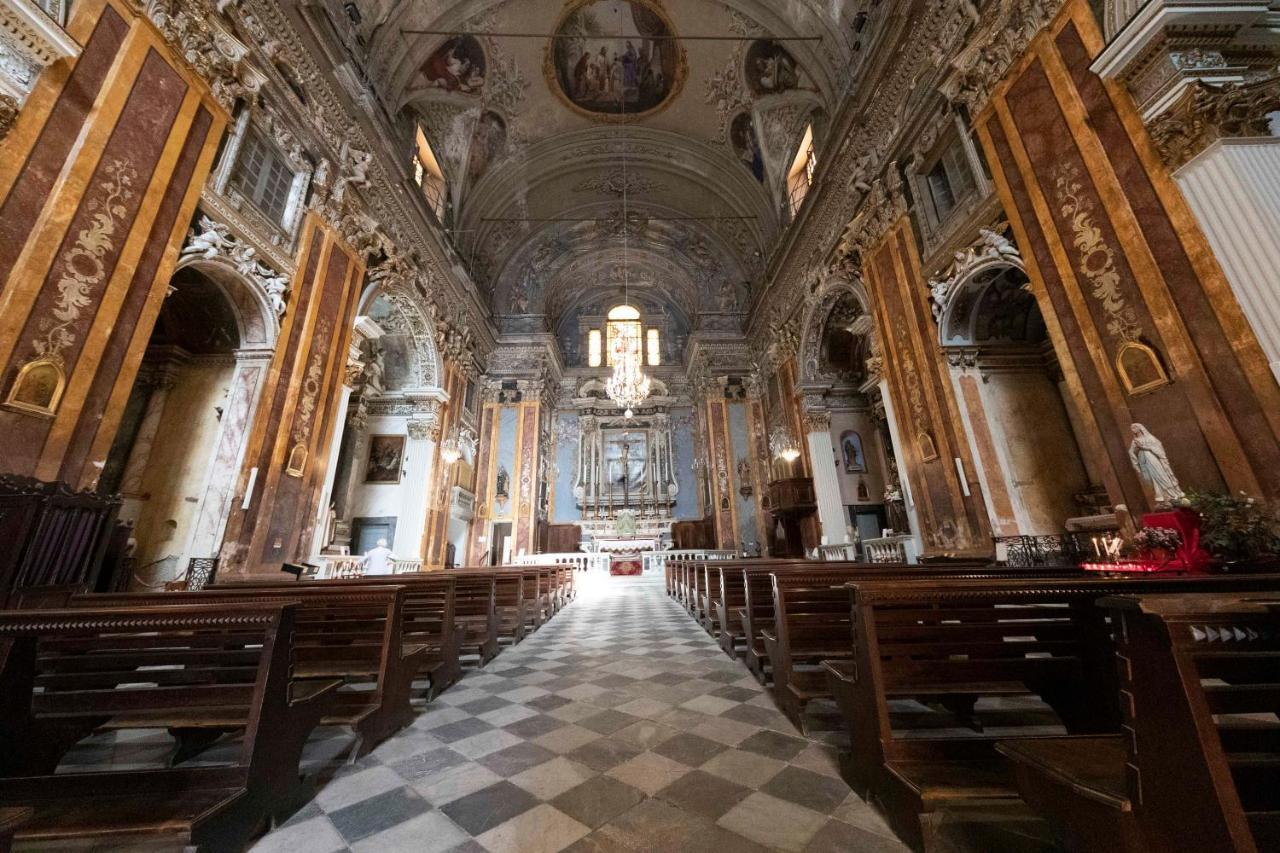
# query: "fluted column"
x,y
826,481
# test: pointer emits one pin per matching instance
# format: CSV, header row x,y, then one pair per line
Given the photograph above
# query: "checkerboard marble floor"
x,y
619,726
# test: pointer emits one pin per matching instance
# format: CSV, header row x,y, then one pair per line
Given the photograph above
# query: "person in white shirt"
x,y
377,560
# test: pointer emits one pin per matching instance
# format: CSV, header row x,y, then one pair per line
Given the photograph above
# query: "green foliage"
x,y
1237,528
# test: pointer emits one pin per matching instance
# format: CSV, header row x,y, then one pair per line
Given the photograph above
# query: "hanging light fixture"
x,y
629,385
450,450
783,442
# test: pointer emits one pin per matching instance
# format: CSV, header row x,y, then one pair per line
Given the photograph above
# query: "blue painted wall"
x,y
682,438
566,507
748,533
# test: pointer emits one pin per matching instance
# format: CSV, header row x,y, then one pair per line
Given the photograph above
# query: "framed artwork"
x,y
386,459
855,461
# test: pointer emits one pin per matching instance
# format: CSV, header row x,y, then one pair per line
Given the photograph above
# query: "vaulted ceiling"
x,y
541,145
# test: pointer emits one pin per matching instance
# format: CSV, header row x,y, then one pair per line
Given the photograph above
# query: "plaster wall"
x,y
177,468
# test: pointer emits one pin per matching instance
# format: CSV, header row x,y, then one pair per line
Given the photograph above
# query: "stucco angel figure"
x,y
1146,452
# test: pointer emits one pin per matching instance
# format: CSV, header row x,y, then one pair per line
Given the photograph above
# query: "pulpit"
x,y
791,501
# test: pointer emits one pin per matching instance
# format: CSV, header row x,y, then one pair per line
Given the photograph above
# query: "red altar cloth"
x,y
1189,557
625,565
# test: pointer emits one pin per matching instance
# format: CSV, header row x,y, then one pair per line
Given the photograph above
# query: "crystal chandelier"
x,y
783,443
629,386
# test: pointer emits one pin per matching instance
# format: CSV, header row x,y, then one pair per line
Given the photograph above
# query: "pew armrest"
x,y
1090,767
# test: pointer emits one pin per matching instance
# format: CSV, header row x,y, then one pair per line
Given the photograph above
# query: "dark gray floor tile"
x,y
689,749
808,789
480,812
774,745
461,730
516,759
702,793
597,801
378,813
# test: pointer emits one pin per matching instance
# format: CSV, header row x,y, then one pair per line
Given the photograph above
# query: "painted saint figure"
x,y
1149,459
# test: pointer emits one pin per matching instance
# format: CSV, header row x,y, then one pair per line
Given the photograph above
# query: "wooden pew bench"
x,y
429,619
352,633
942,669
64,673
476,615
1198,766
731,598
509,604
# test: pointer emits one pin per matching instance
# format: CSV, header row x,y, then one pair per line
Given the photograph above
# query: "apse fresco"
x,y
457,66
772,70
747,146
615,57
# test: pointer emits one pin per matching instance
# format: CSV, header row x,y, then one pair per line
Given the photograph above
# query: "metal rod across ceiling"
x,y
505,35
602,218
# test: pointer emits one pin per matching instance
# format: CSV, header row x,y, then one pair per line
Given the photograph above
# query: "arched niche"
x,y
410,359
836,321
183,432
1009,385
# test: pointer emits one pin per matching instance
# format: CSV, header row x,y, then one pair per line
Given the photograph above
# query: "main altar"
x,y
625,484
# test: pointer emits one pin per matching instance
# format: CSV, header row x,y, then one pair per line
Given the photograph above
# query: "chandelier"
x,y
783,442
628,386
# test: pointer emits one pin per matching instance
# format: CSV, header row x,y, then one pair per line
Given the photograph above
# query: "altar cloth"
x,y
625,565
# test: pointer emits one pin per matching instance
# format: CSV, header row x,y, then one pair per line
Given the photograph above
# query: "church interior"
x,y
616,426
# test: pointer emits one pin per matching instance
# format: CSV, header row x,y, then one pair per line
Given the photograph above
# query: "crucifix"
x,y
626,470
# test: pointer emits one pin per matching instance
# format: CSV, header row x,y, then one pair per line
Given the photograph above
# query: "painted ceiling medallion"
x,y
615,60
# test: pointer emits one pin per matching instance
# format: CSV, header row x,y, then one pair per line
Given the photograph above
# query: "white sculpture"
x,y
1152,464
212,240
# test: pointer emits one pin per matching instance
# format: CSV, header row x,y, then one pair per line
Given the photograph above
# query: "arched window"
x,y
623,332
428,175
800,176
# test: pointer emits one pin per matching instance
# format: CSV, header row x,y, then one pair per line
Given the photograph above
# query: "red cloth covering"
x,y
1189,557
626,565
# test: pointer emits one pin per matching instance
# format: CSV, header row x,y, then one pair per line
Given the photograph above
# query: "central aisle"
x,y
619,726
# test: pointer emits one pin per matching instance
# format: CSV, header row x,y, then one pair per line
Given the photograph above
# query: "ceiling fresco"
x,y
548,117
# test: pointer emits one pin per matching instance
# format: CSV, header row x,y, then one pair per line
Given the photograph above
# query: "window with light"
x,y
429,176
800,176
623,332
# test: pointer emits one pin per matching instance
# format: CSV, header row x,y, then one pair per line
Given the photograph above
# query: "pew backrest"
x,y
1201,680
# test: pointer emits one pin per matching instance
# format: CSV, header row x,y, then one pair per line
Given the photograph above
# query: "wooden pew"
x,y
430,617
65,672
476,616
1198,766
731,598
353,633
948,643
510,607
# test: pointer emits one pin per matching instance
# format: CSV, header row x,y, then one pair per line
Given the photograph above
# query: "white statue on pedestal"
x,y
1152,464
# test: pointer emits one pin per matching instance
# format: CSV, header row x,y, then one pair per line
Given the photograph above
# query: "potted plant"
x,y
1240,531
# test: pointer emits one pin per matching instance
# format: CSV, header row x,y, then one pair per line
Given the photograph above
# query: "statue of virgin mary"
x,y
1152,464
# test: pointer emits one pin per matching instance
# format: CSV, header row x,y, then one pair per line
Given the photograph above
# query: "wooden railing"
x,y
891,549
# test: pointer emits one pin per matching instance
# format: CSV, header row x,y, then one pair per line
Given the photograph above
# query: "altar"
x,y
627,544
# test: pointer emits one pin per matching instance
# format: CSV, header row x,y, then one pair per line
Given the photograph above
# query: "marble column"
x,y
1233,188
826,480
160,381
904,483
416,491
320,522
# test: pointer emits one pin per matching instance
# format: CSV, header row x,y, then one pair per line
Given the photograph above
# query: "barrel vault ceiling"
x,y
543,147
